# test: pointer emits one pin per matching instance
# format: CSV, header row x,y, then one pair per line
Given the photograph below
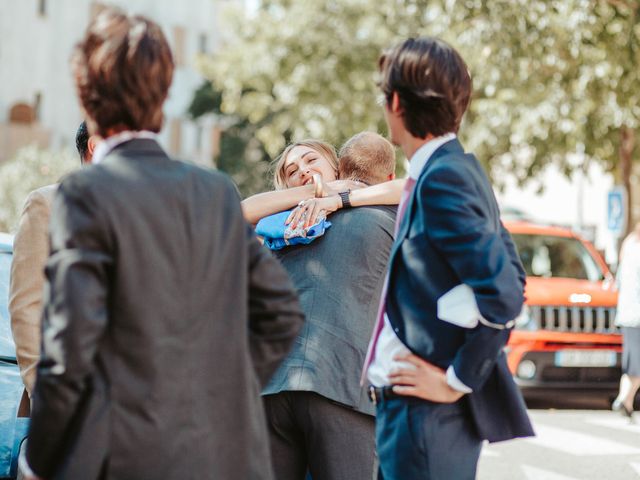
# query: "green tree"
x,y
551,78
30,168
240,155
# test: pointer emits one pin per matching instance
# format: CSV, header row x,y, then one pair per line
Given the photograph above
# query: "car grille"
x,y
575,319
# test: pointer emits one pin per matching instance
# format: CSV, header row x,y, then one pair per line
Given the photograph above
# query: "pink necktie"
x,y
406,193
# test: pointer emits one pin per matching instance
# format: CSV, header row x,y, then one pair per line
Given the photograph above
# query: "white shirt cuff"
x,y
455,383
23,465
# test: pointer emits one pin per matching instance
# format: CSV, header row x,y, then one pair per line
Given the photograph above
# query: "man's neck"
x,y
411,144
116,130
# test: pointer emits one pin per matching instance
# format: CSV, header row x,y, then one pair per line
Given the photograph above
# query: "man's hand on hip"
x,y
425,381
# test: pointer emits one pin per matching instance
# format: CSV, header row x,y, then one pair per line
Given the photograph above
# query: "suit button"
x,y
397,330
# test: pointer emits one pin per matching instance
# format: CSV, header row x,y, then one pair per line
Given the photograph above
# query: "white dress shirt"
x,y
108,144
389,345
628,311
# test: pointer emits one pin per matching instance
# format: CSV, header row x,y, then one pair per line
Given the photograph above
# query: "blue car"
x,y
13,429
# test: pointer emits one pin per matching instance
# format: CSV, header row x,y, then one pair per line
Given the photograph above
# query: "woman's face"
x,y
302,163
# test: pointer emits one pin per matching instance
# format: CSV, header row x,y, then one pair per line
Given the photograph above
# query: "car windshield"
x,y
551,256
7,348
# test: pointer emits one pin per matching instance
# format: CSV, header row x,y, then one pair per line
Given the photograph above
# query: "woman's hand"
x,y
337,186
307,211
422,380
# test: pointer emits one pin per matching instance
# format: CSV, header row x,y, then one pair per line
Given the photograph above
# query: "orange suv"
x,y
565,337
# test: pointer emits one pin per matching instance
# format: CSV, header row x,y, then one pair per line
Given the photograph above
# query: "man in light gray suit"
x,y
320,418
164,316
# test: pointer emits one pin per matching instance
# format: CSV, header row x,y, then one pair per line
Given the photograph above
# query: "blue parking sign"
x,y
616,210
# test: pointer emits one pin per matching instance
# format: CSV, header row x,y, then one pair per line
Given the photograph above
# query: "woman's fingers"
x,y
290,217
312,214
307,212
296,216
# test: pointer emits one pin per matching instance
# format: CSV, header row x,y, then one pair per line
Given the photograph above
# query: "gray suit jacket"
x,y
339,278
163,318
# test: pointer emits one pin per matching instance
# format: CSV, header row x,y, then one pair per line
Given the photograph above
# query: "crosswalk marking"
x,y
615,421
534,473
579,444
488,452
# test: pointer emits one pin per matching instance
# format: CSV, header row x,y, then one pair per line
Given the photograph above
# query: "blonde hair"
x,y
367,157
323,148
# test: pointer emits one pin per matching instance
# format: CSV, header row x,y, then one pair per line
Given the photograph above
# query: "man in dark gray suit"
x,y
164,315
320,419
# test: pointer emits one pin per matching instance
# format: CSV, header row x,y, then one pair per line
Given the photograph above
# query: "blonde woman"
x,y
295,170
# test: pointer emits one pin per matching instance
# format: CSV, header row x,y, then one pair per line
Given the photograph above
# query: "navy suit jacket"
x,y
451,234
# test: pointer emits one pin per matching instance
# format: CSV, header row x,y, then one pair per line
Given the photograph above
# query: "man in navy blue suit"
x,y
436,365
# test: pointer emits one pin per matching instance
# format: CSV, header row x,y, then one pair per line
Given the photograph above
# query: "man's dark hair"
x,y
122,69
82,141
432,83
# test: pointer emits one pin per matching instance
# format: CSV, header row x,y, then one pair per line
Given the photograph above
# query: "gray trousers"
x,y
308,432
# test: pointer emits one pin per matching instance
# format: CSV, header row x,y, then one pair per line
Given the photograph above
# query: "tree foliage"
x,y
551,78
240,154
30,168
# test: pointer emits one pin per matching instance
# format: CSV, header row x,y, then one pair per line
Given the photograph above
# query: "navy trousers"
x,y
417,439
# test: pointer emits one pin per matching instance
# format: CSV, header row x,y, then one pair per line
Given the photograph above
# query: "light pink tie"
x,y
406,193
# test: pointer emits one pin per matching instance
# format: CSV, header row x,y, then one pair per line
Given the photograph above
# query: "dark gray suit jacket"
x,y
160,304
339,278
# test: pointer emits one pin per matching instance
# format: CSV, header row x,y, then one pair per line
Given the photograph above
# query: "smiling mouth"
x,y
307,181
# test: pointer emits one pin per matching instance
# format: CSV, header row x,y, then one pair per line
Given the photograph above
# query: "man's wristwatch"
x,y
344,196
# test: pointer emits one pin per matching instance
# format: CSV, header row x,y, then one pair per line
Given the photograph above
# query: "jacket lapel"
x,y
450,147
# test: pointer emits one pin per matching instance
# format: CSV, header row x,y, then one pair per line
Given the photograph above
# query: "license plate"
x,y
585,358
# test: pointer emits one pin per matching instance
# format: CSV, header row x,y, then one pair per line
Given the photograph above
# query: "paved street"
x,y
570,445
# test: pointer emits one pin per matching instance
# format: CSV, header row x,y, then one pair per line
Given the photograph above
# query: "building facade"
x,y
37,97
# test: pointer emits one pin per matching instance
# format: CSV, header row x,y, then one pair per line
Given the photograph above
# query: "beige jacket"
x,y
30,252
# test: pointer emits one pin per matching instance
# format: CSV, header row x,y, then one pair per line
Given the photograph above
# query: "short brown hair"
x,y
122,70
432,83
367,157
323,148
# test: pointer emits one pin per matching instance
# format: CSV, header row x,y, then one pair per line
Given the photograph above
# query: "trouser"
x,y
308,432
417,439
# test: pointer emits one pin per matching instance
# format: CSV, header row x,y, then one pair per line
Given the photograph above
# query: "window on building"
x,y
179,40
42,8
175,136
202,43
198,137
37,105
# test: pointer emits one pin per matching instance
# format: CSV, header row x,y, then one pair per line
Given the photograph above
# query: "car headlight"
x,y
525,320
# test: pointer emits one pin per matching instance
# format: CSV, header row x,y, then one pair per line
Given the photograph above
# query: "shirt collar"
x,y
420,158
108,144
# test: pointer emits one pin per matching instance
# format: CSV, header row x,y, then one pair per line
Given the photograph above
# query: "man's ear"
x,y
92,143
395,103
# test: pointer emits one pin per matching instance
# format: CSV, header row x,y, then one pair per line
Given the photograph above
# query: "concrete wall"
x,y
35,47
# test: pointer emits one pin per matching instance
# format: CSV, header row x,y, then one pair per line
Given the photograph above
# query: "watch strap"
x,y
344,196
